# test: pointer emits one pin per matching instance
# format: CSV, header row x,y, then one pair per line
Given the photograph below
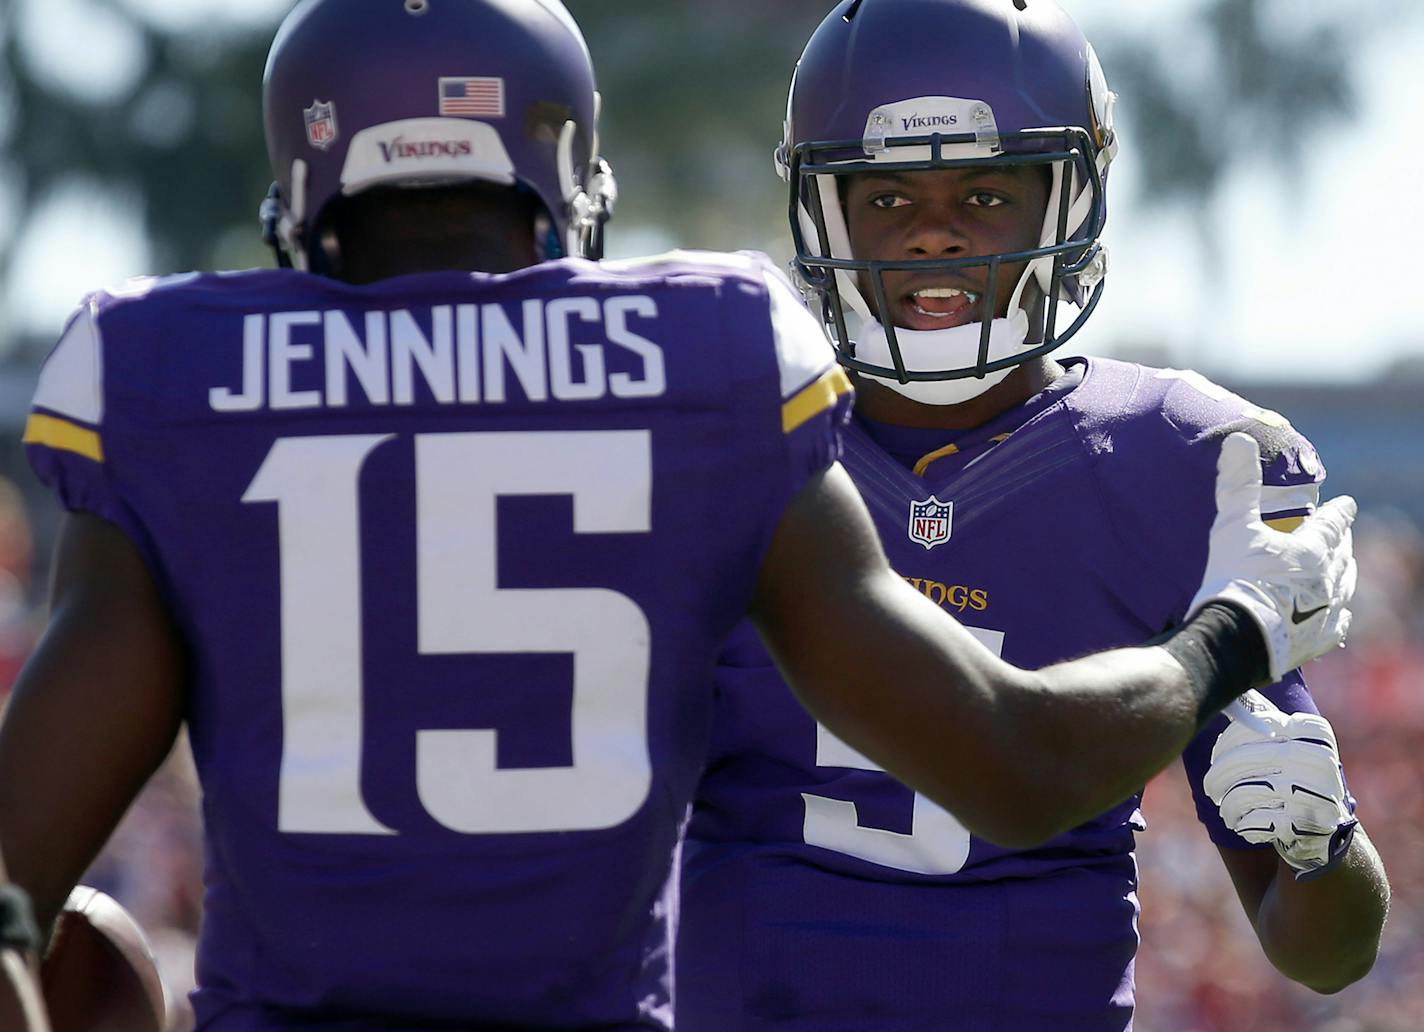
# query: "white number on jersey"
x,y
315,482
936,844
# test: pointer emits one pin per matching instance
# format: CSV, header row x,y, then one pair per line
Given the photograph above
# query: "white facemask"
x,y
954,348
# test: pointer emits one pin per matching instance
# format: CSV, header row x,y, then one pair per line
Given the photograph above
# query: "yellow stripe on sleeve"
x,y
1286,524
814,399
63,435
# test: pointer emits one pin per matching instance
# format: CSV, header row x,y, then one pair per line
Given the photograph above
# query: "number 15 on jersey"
x,y
315,482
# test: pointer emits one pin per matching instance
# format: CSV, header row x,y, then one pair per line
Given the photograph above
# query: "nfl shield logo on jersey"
x,y
321,124
930,521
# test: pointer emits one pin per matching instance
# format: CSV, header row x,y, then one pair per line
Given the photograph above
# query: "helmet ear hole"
x,y
546,236
417,7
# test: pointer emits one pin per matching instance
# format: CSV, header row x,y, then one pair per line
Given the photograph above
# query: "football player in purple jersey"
x,y
435,565
947,162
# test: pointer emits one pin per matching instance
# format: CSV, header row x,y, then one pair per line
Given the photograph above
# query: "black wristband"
x,y
17,920
1223,652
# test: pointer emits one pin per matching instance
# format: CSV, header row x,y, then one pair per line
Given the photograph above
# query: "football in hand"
x,y
99,973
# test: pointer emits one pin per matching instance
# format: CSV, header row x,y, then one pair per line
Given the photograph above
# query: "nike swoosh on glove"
x,y
1276,778
1296,586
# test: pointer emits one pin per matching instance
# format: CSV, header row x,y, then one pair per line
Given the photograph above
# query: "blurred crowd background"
x,y
131,143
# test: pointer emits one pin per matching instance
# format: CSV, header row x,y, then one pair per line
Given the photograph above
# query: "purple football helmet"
x,y
366,93
914,85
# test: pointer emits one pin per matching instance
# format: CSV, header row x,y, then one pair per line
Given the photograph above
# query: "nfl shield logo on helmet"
x,y
930,521
321,124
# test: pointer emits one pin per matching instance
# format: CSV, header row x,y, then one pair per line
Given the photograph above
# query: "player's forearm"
x,y
1045,752
1099,730
71,762
1324,933
1020,757
1017,756
1073,740
1122,716
94,712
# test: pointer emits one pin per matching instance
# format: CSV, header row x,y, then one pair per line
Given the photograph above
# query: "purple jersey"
x,y
454,556
820,893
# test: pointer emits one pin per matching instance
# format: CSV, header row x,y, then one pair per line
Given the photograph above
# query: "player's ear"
x,y
21,1007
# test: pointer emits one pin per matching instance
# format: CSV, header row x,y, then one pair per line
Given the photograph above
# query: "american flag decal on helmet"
x,y
930,521
465,97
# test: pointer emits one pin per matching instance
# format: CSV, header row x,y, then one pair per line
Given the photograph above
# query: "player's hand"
x,y
17,920
21,1004
1276,778
1296,586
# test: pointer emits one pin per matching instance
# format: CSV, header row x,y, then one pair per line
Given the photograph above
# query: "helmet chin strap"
x,y
929,350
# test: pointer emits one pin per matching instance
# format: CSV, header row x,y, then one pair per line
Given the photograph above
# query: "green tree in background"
x,y
184,141
694,100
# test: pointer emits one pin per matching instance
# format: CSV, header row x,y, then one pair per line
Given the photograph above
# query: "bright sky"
x,y
1317,284
83,239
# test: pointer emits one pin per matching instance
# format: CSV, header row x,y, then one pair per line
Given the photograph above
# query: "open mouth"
x,y
937,308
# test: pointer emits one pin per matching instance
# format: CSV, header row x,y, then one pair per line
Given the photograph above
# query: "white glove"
x,y
1296,586
1276,778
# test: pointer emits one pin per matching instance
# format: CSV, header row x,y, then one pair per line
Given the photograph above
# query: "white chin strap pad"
x,y
925,351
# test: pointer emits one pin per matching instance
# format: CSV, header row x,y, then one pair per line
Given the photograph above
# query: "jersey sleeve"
x,y
1291,475
65,433
1156,458
816,394
1158,473
1291,471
